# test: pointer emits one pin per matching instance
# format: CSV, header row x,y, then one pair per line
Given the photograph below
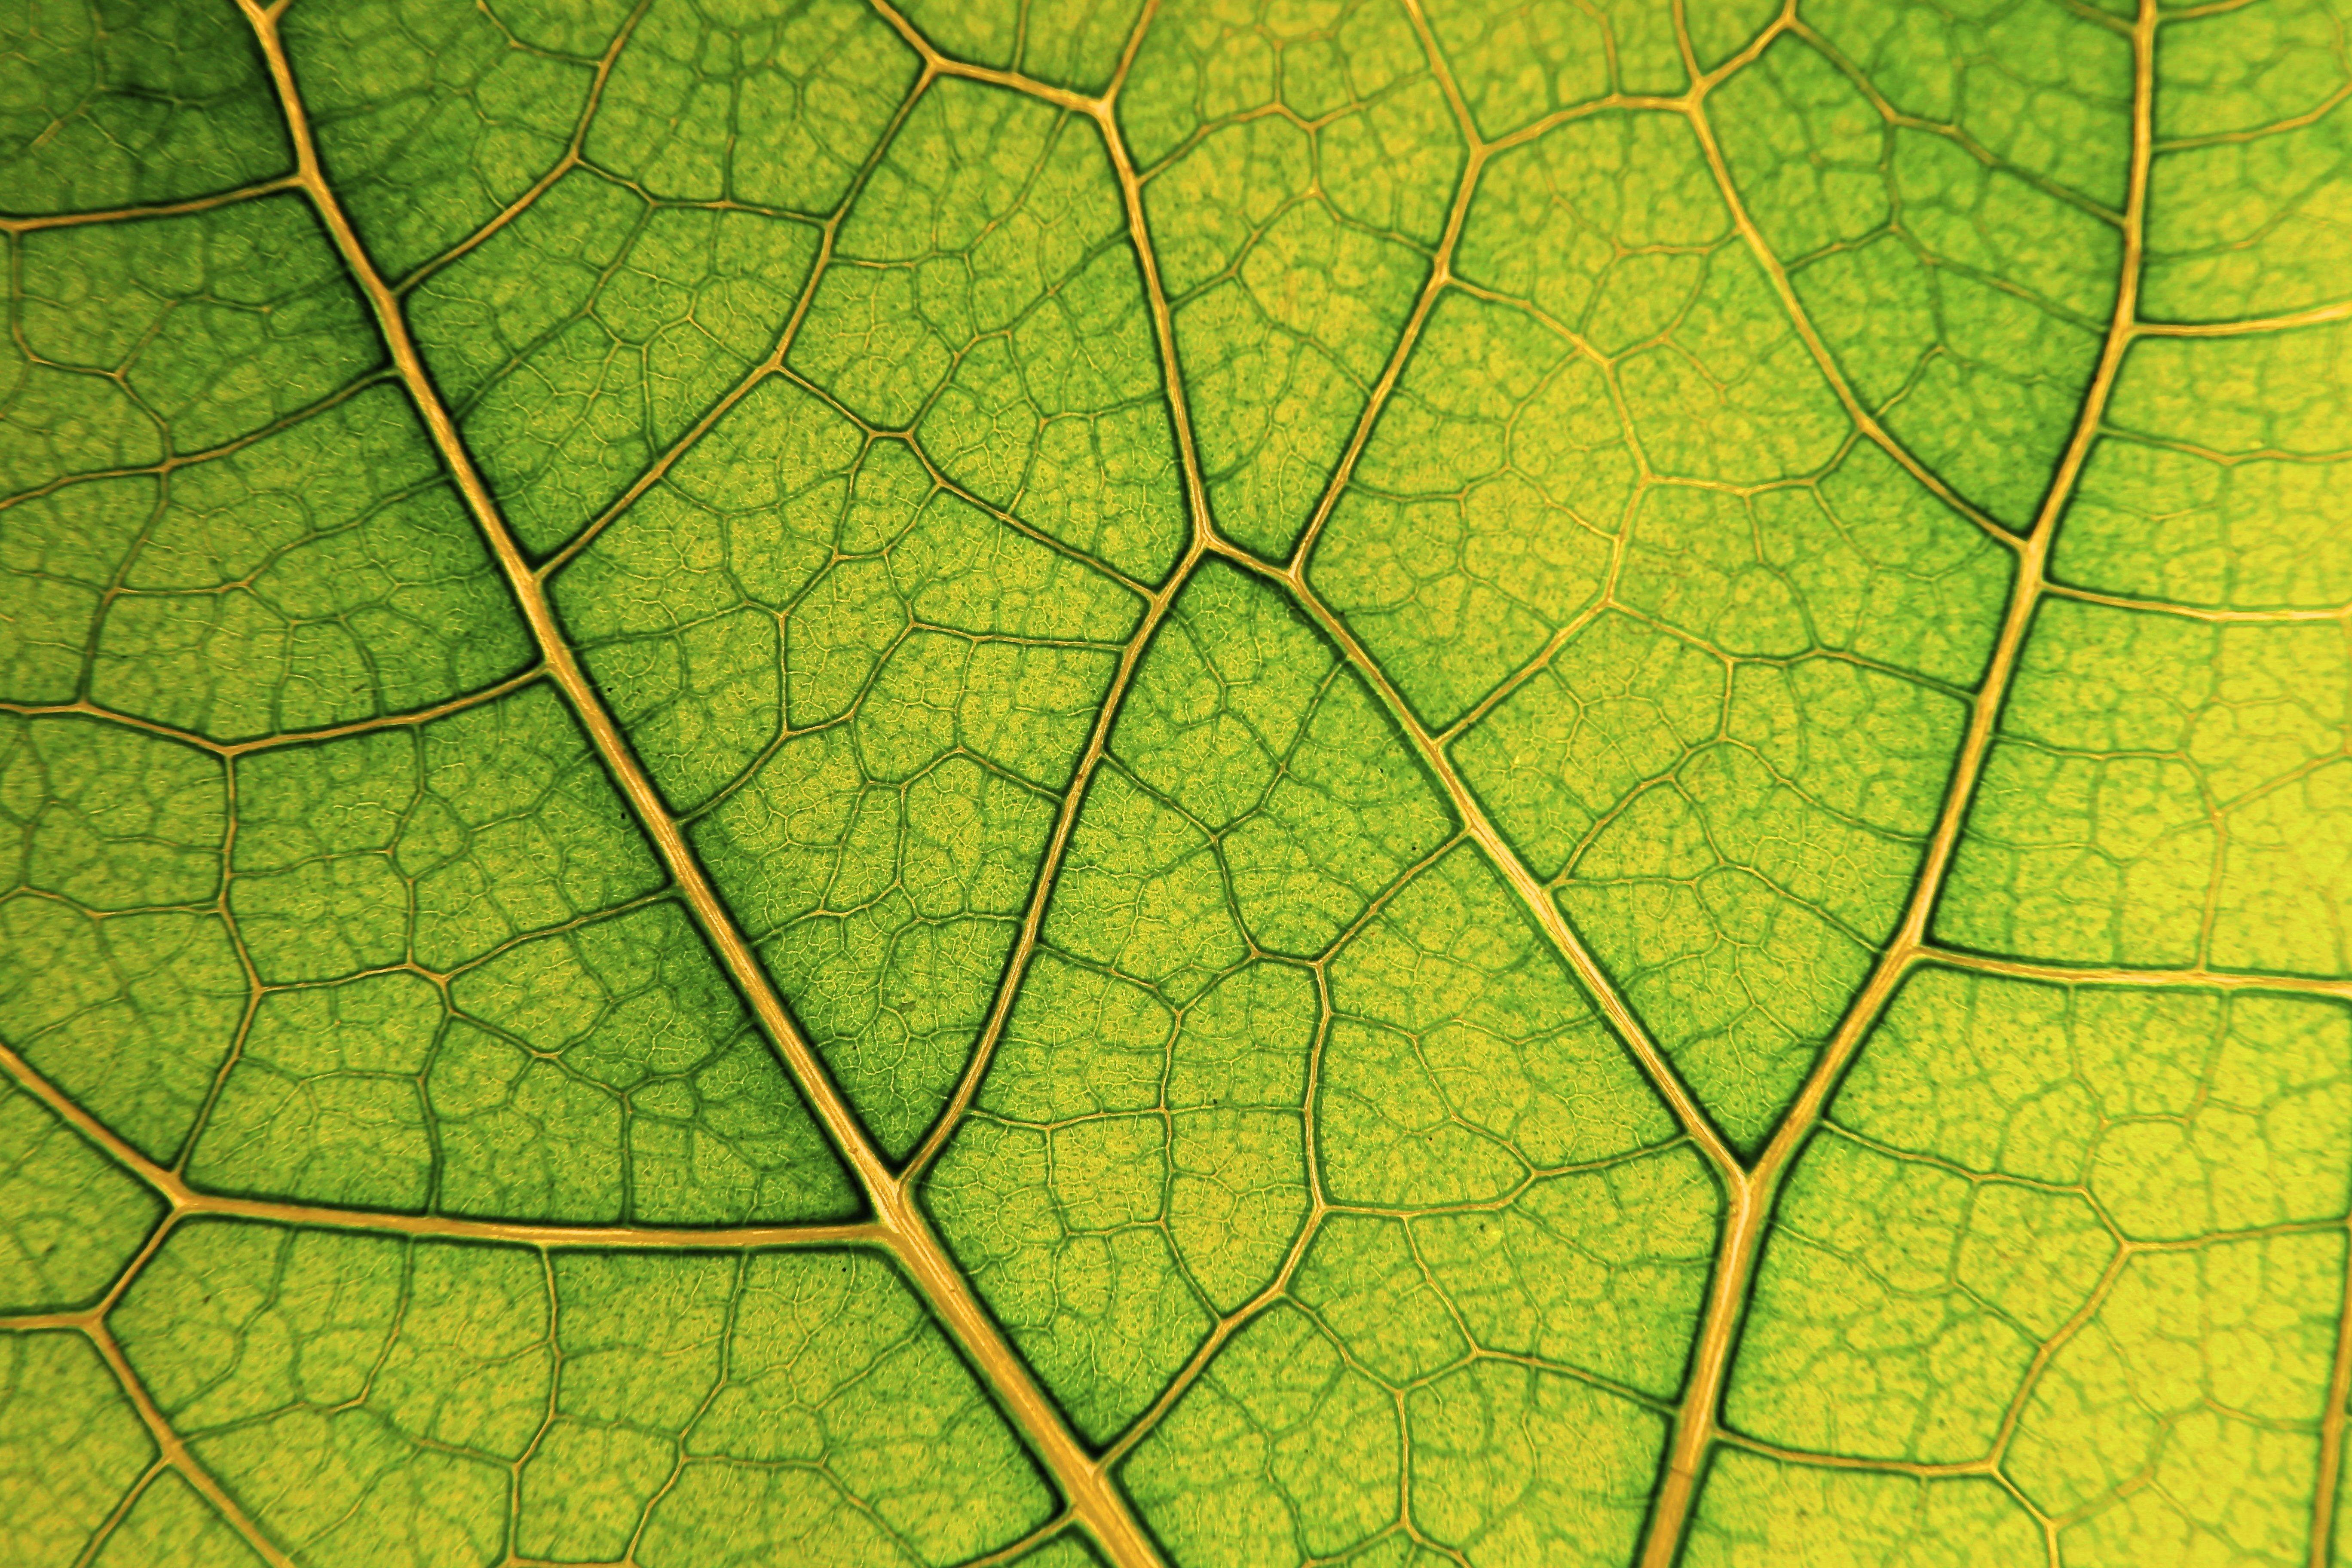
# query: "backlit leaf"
x,y
1234,784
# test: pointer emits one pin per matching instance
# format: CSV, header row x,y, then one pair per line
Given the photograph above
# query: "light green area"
x,y
1517,65
1449,557
2169,792
1068,1549
126,101
432,121
805,1403
634,1011
1762,1513
69,1219
70,1446
1739,912
1505,1227
2094,1233
2250,210
1125,1180
1299,164
128,1014
171,336
597,1075
367,1395
2183,1113
884,909
2165,792
1730,786
815,85
122,985
2043,89
1310,808
1466,1083
1285,1452
314,571
789,575
1076,44
2230,1446
2343,1532
1734,839
169,1526
2223,481
433,844
985,298
481,1015
579,331
1899,1310
1137,1165
1488,508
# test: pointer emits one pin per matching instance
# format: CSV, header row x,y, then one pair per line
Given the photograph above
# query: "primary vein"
x,y
1696,1428
900,1222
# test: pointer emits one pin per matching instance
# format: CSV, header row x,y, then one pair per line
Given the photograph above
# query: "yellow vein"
x,y
84,708
2331,1429
132,214
570,161
2216,616
187,1201
2090,974
176,1451
906,1231
1103,111
1696,1428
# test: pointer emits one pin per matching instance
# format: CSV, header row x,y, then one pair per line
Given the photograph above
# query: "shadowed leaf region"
x,y
1210,784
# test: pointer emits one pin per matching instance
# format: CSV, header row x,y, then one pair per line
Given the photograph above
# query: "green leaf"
x,y
1218,783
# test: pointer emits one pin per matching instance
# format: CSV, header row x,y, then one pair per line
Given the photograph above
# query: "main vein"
x,y
899,1223
1696,1428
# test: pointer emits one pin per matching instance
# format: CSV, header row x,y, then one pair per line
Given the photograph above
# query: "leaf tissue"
x,y
1175,783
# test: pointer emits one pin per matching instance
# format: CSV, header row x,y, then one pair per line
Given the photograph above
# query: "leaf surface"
x,y
1075,782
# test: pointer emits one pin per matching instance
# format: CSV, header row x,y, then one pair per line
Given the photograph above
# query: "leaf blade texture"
x,y
1212,784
